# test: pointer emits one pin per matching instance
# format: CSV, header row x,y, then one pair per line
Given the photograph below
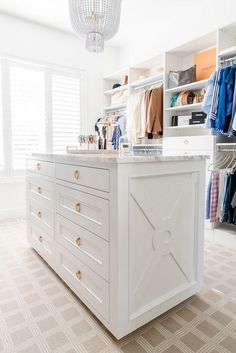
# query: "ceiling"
x,y
136,15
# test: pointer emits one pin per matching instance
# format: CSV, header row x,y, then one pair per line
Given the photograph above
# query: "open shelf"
x,y
190,86
147,81
228,51
118,89
185,107
116,107
186,126
226,144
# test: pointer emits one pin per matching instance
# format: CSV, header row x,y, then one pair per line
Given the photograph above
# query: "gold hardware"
x,y
39,214
39,190
40,239
78,275
77,207
38,166
78,241
76,174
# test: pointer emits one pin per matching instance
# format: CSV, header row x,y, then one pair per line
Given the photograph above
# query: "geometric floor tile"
x,y
39,314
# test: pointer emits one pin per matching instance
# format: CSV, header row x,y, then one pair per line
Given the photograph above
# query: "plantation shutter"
x,y
66,110
27,98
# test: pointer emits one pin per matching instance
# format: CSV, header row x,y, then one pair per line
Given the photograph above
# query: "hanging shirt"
x,y
222,187
133,117
215,100
208,199
224,104
206,104
214,196
228,211
232,125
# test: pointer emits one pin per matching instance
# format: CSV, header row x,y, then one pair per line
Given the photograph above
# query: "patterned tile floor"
x,y
39,314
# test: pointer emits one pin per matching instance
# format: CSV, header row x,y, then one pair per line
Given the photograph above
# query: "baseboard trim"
x,y
12,213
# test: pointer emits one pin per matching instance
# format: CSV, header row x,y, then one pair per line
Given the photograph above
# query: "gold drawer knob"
x,y
77,207
39,214
39,190
40,239
76,174
38,166
78,275
78,241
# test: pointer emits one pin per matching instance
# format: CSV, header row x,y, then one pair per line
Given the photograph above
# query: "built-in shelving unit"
x,y
182,58
143,75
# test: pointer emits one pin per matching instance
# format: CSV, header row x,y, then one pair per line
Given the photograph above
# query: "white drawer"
x,y
87,247
186,143
42,243
91,177
40,167
42,216
93,288
41,190
90,212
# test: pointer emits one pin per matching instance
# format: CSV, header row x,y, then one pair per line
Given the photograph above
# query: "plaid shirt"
x,y
214,196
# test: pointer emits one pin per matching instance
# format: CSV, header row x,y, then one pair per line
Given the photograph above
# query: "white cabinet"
x,y
125,234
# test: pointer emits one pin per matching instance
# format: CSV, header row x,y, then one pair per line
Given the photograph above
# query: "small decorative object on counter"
x,y
88,142
125,145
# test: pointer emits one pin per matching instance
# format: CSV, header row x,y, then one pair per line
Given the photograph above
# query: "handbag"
x,y
179,78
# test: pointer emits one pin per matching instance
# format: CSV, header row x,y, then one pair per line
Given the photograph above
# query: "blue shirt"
x,y
224,105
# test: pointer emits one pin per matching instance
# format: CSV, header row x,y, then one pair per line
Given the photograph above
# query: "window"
x,y
27,113
42,111
1,129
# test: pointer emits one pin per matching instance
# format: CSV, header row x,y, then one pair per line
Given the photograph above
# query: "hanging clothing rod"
x,y
149,84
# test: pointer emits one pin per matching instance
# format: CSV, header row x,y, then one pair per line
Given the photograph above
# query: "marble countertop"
x,y
115,158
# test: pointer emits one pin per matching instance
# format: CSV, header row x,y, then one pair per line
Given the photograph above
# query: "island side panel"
x,y
160,232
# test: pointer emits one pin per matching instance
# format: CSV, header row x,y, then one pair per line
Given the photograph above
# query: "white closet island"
x,y
125,233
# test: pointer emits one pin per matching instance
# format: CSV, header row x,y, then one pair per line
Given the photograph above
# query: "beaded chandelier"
x,y
98,20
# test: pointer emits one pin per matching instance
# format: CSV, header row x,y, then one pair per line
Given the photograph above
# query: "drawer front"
x,y
87,247
93,288
91,177
42,216
41,190
40,167
187,143
88,211
42,242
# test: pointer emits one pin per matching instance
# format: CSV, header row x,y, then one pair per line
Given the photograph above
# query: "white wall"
x,y
27,40
178,23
